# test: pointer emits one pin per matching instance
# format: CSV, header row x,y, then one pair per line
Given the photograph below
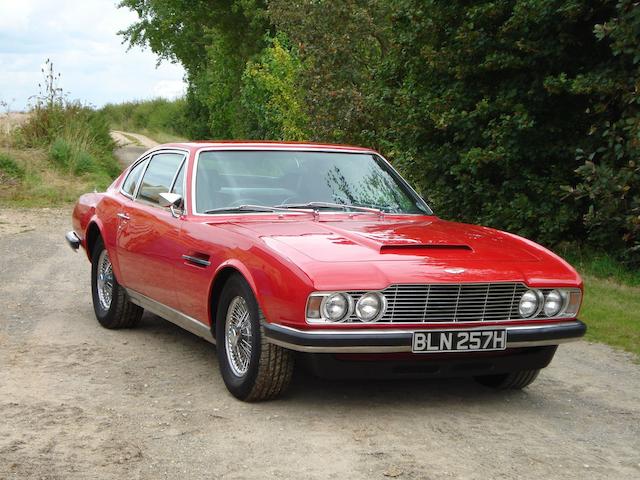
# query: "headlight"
x,y
529,303
553,302
335,307
370,306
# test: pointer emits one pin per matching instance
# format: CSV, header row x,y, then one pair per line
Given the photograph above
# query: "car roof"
x,y
267,145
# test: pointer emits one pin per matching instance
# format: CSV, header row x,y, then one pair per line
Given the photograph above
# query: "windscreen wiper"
x,y
341,206
253,208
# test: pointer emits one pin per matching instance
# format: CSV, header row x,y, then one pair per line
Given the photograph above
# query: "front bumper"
x,y
399,340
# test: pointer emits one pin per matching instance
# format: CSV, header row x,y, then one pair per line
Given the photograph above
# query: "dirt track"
x,y
130,146
78,401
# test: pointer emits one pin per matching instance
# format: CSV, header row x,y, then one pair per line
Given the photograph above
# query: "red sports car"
x,y
325,255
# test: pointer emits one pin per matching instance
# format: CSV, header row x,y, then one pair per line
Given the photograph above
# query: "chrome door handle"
x,y
123,216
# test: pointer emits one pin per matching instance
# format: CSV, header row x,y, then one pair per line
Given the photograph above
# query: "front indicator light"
x,y
573,303
313,307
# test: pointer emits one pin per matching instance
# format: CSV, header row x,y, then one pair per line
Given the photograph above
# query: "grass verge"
x,y
612,313
42,185
58,152
611,305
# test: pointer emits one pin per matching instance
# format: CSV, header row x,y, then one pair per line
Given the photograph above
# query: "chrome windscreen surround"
x,y
442,303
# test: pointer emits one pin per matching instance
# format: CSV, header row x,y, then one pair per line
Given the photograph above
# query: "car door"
x,y
148,233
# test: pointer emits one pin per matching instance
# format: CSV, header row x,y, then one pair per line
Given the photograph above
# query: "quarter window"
x,y
158,177
178,185
131,182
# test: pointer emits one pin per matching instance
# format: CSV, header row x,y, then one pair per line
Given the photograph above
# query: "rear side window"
x,y
159,176
131,182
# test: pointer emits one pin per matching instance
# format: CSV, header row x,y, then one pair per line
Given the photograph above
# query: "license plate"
x,y
435,341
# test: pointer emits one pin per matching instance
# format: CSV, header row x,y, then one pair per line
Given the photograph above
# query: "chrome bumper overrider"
x,y
72,240
399,340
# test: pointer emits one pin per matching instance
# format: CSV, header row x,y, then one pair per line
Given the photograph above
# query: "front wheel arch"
x,y
269,367
91,237
221,277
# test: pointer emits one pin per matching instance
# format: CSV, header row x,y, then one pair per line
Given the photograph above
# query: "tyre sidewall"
x,y
106,317
240,387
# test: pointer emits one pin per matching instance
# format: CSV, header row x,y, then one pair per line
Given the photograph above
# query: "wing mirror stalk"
x,y
173,201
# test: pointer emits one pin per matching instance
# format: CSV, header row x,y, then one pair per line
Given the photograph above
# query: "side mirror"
x,y
171,200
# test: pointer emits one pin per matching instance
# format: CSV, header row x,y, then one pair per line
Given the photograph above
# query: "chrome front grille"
x,y
471,302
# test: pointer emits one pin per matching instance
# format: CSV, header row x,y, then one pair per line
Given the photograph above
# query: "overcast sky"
x,y
80,37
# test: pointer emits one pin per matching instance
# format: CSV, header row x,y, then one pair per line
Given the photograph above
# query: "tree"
x,y
213,40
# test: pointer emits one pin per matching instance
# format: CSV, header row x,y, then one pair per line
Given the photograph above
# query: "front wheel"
x,y
111,305
509,381
252,368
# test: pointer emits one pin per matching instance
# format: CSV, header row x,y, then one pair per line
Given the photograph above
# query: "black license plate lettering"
x,y
459,341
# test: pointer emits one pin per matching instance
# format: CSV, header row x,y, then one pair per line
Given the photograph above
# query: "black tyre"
x,y
252,368
111,305
509,381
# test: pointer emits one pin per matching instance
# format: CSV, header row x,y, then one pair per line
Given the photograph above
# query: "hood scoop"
x,y
427,249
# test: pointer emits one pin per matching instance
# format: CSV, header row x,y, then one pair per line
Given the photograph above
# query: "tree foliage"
x,y
609,186
520,114
271,96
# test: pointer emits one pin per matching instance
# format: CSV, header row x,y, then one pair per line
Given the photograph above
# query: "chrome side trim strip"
x,y
198,261
172,315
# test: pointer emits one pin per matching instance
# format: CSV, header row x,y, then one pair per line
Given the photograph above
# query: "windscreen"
x,y
227,179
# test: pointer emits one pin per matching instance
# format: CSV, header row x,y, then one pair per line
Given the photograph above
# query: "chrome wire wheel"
x,y
104,284
237,336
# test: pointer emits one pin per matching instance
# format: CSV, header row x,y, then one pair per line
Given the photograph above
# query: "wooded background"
x,y
523,115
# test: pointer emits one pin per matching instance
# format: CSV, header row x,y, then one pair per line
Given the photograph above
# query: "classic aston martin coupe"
x,y
324,255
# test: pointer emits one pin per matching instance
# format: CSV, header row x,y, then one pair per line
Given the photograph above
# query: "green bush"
x,y
271,96
609,186
9,169
483,105
157,115
61,153
83,162
76,137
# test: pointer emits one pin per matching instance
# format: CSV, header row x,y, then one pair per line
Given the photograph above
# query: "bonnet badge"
x,y
454,270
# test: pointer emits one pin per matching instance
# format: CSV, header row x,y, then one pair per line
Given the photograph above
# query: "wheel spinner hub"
x,y
238,336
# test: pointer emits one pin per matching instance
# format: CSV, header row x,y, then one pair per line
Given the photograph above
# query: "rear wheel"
x,y
111,305
509,381
252,368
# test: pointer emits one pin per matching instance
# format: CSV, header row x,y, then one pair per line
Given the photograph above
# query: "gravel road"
x,y
78,401
130,146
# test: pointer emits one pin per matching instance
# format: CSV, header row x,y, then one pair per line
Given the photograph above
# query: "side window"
x,y
178,185
158,177
131,182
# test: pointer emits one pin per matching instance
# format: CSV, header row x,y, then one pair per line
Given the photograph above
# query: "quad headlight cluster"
x,y
553,303
368,307
338,306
